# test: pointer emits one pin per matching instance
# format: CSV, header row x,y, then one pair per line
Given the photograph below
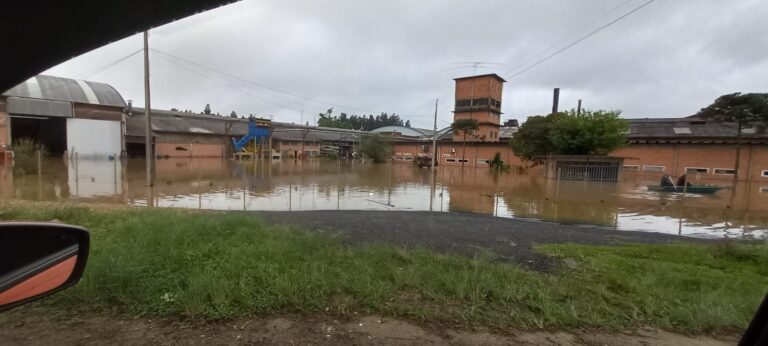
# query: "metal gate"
x,y
591,171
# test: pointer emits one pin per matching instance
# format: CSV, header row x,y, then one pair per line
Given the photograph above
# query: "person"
x,y
666,180
683,180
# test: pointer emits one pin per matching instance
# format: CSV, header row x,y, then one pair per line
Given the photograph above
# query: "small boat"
x,y
701,189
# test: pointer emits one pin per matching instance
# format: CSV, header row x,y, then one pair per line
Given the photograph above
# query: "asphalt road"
x,y
468,234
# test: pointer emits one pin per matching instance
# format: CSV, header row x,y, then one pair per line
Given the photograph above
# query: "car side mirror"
x,y
38,259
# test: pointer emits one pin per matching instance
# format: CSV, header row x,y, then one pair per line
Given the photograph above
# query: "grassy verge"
x,y
215,265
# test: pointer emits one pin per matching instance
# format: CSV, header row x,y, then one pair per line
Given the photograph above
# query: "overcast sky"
x,y
668,59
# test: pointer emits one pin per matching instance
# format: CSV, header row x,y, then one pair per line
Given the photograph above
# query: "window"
x,y
632,168
652,168
181,149
764,174
450,160
682,130
696,170
408,158
763,189
724,171
483,162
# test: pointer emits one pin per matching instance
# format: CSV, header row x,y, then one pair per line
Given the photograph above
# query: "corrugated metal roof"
x,y
67,89
405,131
686,128
180,122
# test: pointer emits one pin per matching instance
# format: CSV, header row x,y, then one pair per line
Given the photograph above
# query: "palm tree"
x,y
465,127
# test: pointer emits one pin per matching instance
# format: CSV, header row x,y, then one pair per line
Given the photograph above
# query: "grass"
x,y
217,266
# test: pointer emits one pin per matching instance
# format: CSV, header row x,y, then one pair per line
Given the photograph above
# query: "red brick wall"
x,y
487,86
188,150
288,148
676,157
456,151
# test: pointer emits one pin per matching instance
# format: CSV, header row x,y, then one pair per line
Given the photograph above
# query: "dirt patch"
x,y
33,325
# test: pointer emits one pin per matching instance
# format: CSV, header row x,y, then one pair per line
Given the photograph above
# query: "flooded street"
x,y
290,185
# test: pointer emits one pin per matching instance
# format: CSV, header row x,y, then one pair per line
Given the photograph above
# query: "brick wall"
x,y
453,153
486,86
293,148
675,158
188,150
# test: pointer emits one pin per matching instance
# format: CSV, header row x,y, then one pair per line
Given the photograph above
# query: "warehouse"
x,y
73,117
184,134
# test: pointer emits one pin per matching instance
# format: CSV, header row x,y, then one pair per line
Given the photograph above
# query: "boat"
x,y
700,189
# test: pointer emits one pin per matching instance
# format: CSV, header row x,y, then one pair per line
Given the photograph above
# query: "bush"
x,y
25,156
590,132
376,148
497,163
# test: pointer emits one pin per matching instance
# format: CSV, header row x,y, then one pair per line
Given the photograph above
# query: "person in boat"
x,y
683,180
666,181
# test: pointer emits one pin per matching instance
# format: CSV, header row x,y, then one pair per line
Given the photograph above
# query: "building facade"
x,y
181,134
79,118
704,149
479,98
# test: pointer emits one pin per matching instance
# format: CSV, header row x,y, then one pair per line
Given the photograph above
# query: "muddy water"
x,y
740,211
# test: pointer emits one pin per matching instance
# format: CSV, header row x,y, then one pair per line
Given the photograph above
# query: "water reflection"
x,y
323,185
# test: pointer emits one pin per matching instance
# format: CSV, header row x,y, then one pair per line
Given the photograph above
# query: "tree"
x,y
375,147
465,127
233,114
589,133
407,123
532,138
745,110
363,122
207,110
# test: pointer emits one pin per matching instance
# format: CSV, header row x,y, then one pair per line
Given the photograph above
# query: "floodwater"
x,y
735,212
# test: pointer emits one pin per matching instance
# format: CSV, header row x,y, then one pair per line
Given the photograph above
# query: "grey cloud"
x,y
668,59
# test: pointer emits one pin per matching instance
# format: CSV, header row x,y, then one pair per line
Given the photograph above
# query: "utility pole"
x,y
434,139
148,134
578,108
304,131
555,99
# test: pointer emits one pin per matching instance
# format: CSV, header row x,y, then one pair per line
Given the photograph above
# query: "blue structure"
x,y
255,133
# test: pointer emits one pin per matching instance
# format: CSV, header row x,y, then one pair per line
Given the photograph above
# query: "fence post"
x,y
39,163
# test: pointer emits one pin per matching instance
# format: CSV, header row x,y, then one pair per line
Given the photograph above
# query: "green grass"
x,y
216,266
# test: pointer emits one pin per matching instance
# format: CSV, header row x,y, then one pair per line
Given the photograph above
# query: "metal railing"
x,y
590,171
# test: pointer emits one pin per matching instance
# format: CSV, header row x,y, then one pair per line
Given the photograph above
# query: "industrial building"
x,y
79,118
182,134
704,149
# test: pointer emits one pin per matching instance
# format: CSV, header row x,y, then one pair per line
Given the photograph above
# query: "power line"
x,y
105,67
261,85
244,83
564,39
228,84
580,39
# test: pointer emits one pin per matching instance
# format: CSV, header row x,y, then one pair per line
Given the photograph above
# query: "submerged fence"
x,y
591,171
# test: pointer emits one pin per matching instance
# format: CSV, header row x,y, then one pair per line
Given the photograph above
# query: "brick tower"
x,y
479,98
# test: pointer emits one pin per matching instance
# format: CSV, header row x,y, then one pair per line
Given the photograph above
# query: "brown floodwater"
x,y
735,212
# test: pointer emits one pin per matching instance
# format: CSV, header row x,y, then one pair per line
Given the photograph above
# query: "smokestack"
x,y
555,99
